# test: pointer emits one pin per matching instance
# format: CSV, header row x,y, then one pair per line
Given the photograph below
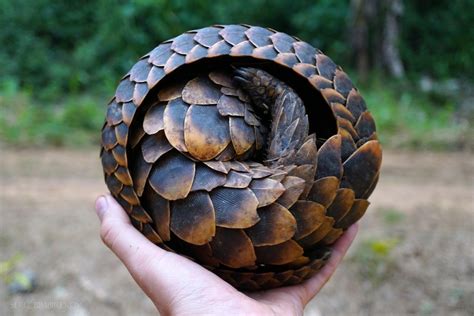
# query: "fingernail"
x,y
101,206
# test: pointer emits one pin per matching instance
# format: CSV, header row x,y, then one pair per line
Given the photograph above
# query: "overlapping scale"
x,y
324,190
207,179
356,212
318,234
329,158
306,172
233,248
233,34
207,36
206,132
362,167
266,190
279,254
309,216
365,125
275,226
193,218
235,208
294,186
230,106
153,121
237,180
172,176
282,42
155,146
159,209
114,113
173,119
341,204
227,154
201,90
222,78
220,48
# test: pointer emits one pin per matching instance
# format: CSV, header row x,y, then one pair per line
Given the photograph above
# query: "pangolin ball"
x,y
242,148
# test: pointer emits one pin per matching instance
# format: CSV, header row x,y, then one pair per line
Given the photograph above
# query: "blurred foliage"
x,y
8,268
374,258
17,280
74,121
437,37
392,216
63,46
408,118
61,59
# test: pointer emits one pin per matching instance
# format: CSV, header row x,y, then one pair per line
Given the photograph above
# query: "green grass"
x,y
407,118
404,117
74,121
391,216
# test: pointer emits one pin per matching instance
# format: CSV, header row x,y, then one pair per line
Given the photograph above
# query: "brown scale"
x,y
211,149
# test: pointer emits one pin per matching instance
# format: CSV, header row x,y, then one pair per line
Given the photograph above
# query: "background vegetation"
x,y
60,60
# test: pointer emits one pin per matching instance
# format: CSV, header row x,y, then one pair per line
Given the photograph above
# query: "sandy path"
x,y
46,215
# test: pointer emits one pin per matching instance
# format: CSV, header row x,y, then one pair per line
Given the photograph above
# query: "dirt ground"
x,y
421,217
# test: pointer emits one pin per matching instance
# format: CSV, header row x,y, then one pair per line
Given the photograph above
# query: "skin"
x,y
178,286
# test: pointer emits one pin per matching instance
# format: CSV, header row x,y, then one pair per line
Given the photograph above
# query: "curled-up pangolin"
x,y
242,148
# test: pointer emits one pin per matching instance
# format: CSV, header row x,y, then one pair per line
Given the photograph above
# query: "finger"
x,y
314,284
102,206
301,294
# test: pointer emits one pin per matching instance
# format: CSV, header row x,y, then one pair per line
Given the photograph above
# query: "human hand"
x,y
178,286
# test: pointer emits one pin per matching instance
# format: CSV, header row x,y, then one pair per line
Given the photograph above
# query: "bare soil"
x,y
424,201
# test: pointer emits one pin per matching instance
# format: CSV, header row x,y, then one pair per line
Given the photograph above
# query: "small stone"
x,y
22,282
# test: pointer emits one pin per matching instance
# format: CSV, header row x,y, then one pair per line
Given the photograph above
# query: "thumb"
x,y
128,244
107,205
160,273
120,236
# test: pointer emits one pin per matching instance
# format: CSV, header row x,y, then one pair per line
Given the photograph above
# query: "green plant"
x,y
392,216
57,47
75,121
8,269
373,258
9,265
408,118
434,38
16,280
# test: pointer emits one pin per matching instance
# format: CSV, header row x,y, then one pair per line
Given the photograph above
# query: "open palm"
x,y
178,286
